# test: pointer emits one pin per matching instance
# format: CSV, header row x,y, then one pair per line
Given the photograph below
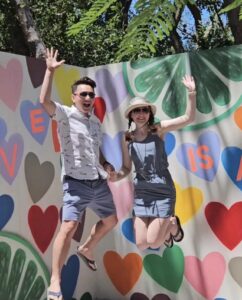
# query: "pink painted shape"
x,y
205,276
122,197
11,83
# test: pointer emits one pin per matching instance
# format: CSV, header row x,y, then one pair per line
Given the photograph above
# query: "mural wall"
x,y
205,159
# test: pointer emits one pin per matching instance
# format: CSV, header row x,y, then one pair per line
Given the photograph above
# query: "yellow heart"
x,y
64,77
188,202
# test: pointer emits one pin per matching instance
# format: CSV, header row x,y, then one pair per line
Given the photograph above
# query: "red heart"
x,y
225,223
55,136
99,108
43,225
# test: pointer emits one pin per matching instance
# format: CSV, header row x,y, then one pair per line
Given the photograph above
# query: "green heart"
x,y
168,270
86,296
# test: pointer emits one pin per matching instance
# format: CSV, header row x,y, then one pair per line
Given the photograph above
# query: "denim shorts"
x,y
82,194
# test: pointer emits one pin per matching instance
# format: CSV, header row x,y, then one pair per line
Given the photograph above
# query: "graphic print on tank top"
x,y
144,157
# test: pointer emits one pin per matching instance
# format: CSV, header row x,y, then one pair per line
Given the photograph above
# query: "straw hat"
x,y
138,102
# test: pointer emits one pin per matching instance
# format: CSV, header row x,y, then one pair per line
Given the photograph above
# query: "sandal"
x,y
169,243
54,295
178,237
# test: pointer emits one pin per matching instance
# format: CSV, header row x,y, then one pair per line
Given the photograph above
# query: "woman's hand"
x,y
189,83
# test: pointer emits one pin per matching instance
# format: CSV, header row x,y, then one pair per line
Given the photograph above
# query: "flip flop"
x,y
90,263
169,243
54,295
178,237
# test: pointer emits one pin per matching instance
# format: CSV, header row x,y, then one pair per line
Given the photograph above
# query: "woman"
x,y
154,190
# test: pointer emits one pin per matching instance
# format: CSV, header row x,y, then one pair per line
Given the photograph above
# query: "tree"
x,y
96,32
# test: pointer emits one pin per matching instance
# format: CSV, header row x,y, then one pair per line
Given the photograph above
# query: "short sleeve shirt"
x,y
80,140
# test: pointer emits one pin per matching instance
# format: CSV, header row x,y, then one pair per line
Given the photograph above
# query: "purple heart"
x,y
35,119
11,154
140,296
232,162
201,159
69,276
36,69
6,208
111,88
111,149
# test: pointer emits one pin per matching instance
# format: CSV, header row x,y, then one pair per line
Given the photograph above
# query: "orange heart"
x,y
123,272
238,117
188,202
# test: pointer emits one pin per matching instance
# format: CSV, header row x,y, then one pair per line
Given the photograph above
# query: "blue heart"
x,y
170,142
69,276
232,162
111,149
6,208
38,123
127,229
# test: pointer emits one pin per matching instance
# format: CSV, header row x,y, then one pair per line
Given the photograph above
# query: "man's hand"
x,y
51,59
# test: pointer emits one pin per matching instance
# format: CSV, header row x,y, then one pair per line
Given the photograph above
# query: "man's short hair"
x,y
83,80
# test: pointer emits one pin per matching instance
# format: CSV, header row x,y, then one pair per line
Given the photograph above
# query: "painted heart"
x,y
55,138
235,265
206,276
35,119
6,209
36,69
167,270
225,223
201,159
79,231
68,75
110,87
127,230
123,272
38,176
232,163
140,296
11,83
111,149
43,225
86,296
69,276
170,142
188,202
238,117
122,197
11,153
99,108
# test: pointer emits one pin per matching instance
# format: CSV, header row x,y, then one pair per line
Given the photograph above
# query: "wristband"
x,y
192,92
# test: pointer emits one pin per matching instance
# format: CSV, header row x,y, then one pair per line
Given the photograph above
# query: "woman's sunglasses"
x,y
84,94
145,110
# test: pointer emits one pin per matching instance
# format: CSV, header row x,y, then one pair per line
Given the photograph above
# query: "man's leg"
x,y
60,250
98,231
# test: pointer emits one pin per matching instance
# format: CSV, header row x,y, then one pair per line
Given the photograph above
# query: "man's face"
x,y
83,98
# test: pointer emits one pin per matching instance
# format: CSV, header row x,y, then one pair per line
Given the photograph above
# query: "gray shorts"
x,y
82,194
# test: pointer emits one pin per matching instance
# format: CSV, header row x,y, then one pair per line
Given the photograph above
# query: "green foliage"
x,y
233,5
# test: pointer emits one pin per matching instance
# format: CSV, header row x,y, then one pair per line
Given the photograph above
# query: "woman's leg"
x,y
140,232
157,231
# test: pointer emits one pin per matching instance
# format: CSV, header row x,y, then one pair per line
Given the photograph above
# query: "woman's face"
x,y
140,115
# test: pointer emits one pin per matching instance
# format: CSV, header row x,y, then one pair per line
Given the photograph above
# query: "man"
x,y
84,178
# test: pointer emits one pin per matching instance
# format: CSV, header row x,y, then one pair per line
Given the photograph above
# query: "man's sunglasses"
x,y
145,110
84,94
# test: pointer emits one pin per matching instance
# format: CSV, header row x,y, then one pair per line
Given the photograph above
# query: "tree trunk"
x,y
234,22
36,46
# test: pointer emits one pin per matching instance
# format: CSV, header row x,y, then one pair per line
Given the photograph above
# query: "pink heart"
x,y
122,197
11,83
206,276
